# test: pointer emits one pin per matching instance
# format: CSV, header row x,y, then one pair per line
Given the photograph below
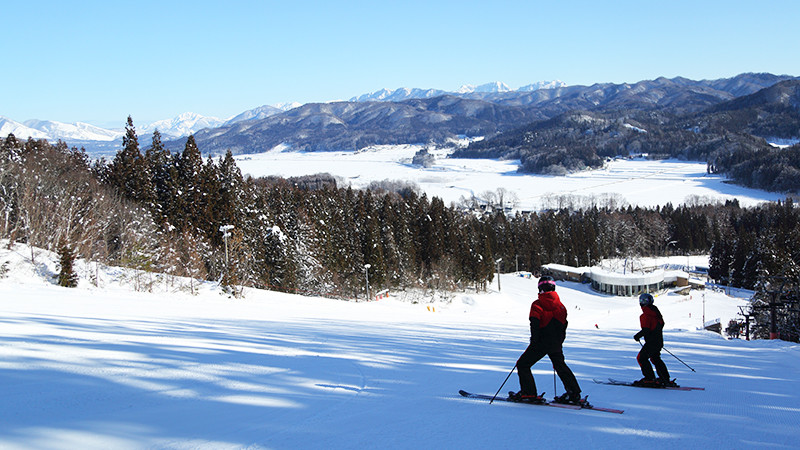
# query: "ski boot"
x,y
647,382
522,397
666,382
569,398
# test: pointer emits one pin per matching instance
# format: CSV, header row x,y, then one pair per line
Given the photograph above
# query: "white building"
x,y
621,284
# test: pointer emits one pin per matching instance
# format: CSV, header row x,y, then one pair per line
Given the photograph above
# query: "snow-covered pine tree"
x,y
129,173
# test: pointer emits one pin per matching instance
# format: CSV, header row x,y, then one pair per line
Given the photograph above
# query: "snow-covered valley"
x,y
639,182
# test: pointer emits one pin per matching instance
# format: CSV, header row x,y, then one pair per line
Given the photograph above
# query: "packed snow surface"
x,y
99,367
639,182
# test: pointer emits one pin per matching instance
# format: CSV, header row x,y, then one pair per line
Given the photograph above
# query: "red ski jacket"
x,y
548,318
652,323
650,319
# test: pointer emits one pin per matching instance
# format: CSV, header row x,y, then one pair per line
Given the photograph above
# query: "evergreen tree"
x,y
230,193
158,161
67,277
129,172
371,240
388,220
189,199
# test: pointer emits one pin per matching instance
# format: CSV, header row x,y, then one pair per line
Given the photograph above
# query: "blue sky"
x,y
100,61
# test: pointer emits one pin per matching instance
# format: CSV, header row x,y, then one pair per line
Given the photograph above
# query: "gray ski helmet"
x,y
645,299
547,284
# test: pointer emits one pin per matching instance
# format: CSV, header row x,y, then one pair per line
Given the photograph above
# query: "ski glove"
x,y
638,335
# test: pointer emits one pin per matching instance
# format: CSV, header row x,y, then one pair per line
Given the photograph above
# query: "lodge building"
x,y
620,284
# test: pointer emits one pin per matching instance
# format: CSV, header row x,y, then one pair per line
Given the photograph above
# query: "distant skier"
x,y
548,319
652,323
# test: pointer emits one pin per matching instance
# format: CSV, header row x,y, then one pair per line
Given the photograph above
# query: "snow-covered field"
x,y
635,182
106,367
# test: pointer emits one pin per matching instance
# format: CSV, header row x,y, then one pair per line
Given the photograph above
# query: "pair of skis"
x,y
546,403
610,381
614,382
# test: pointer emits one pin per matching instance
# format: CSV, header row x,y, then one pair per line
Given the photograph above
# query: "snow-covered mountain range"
x,y
179,126
496,87
8,126
190,123
73,131
176,127
182,125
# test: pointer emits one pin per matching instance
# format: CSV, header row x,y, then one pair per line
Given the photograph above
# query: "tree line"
x,y
161,212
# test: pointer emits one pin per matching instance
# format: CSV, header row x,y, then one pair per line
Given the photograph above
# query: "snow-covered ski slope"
x,y
102,368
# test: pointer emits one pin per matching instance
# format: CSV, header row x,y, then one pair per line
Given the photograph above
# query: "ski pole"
x,y
555,391
665,349
504,383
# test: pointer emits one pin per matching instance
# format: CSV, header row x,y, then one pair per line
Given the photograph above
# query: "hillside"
x,y
773,112
730,136
431,116
108,367
354,125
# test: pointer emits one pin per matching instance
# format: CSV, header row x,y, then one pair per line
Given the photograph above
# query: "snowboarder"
x,y
548,320
652,324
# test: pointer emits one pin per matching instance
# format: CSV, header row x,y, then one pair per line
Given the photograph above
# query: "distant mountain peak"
x,y
73,131
20,131
496,87
398,95
492,88
554,84
286,106
183,124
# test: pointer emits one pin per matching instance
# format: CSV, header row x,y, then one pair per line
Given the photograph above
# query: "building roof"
x,y
621,279
565,268
626,279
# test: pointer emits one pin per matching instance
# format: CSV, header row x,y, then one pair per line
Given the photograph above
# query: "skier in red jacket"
x,y
652,324
548,319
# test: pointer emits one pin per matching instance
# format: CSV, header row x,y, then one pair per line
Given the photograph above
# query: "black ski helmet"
x,y
645,299
547,284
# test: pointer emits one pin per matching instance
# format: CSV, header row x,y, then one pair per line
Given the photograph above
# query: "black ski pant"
x,y
648,354
532,355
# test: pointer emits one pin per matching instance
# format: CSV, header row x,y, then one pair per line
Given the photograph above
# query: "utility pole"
x,y
366,275
498,273
704,310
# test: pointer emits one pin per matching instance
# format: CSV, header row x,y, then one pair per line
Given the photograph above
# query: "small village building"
x,y
565,273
